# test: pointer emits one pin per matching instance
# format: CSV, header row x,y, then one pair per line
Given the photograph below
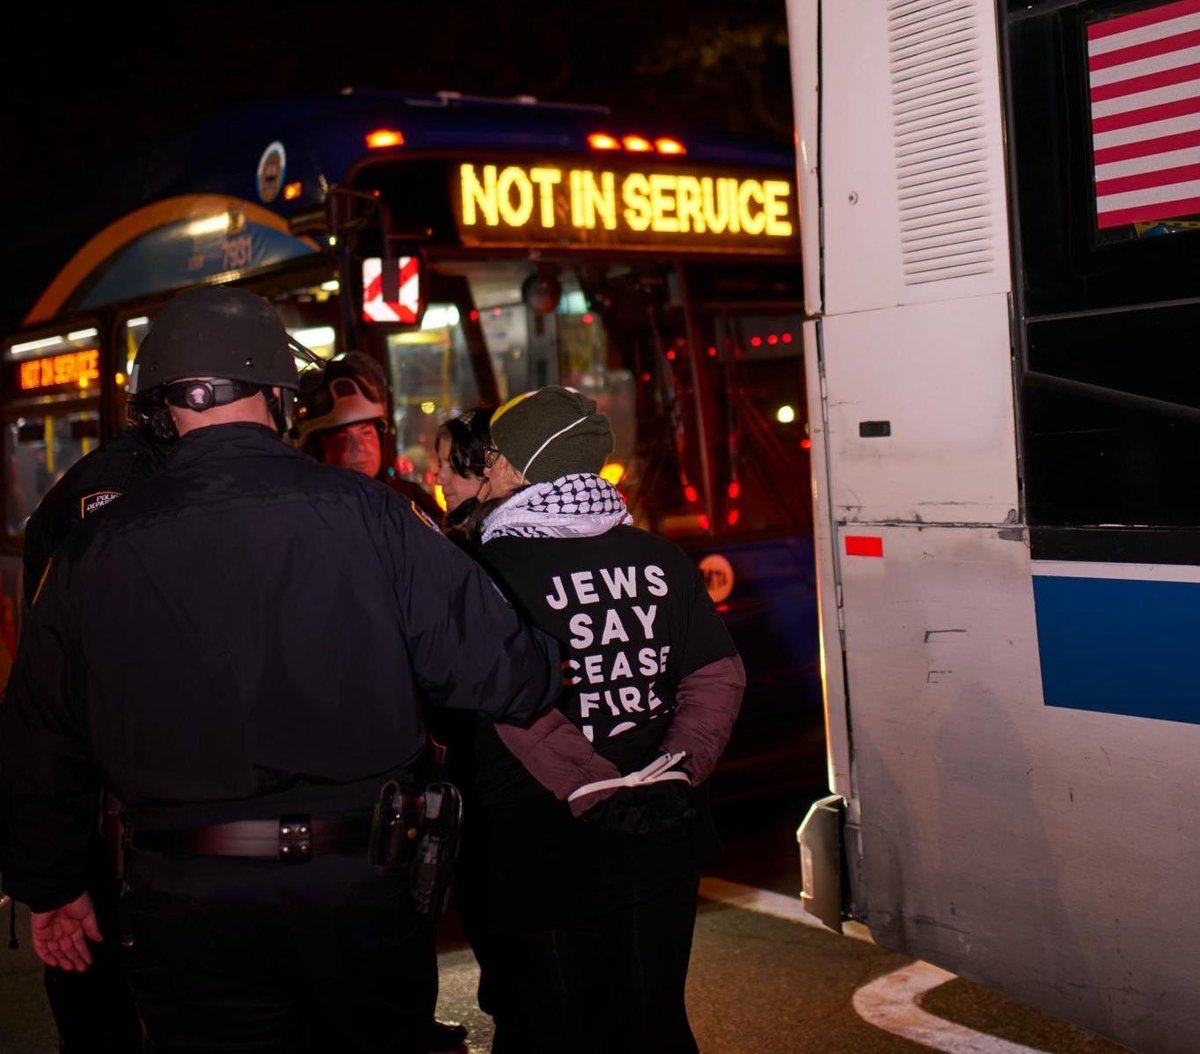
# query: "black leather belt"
x,y
292,838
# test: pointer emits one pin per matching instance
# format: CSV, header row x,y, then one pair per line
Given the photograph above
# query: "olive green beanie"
x,y
552,432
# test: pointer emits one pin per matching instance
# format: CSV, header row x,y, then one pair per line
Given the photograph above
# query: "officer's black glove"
x,y
656,809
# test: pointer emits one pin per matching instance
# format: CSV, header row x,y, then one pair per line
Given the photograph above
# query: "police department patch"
x,y
90,503
422,516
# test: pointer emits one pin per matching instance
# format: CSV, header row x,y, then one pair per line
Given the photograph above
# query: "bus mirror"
x,y
541,293
393,289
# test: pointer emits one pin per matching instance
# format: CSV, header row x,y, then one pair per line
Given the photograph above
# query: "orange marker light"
x,y
382,138
669,146
603,141
635,144
292,191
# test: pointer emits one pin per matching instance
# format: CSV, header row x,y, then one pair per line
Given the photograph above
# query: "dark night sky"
x,y
81,83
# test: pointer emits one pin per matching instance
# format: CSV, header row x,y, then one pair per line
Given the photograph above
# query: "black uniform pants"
x,y
262,955
94,1010
611,985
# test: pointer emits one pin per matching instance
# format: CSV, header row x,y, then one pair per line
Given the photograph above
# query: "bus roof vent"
x,y
939,114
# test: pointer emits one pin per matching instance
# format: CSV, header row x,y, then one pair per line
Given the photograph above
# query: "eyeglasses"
x,y
490,455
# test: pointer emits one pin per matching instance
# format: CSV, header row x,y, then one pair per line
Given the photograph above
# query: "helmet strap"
x,y
282,410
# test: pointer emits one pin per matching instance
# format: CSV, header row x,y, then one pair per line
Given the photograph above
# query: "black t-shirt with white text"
x,y
634,619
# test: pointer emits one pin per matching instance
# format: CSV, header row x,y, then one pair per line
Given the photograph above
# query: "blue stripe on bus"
x,y
1120,646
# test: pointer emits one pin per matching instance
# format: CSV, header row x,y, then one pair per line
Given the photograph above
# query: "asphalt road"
x,y
759,983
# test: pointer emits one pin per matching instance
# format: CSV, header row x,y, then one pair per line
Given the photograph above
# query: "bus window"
x,y
38,449
52,413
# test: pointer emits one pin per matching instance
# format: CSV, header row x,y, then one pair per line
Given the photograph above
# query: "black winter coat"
x,y
246,634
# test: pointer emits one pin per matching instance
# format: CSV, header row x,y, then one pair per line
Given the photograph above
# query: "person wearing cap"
x,y
95,1010
290,619
581,866
343,421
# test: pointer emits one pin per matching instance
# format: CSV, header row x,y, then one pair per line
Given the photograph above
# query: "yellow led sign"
x,y
79,368
599,207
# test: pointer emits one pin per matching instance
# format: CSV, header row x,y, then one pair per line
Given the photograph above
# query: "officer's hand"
x,y
58,935
655,809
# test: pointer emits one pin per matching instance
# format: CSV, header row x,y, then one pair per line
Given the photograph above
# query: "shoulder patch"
x,y
421,515
90,503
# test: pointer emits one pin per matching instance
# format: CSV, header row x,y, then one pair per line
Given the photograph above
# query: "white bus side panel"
x,y
938,377
912,159
1048,852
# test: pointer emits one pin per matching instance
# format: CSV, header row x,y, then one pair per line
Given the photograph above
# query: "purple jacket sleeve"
x,y
558,756
562,759
706,705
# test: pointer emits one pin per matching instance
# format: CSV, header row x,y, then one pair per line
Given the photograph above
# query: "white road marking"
x,y
889,1002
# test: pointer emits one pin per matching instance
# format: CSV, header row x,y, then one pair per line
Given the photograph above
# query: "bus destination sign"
x,y
602,207
75,368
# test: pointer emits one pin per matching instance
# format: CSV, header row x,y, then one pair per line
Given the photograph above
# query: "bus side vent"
x,y
941,150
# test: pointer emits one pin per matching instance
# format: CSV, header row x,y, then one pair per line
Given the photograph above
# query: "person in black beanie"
x,y
587,829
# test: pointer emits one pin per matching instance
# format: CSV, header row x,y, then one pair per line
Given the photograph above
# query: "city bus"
x,y
1002,265
477,248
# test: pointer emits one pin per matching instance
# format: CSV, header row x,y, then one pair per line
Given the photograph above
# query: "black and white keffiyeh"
x,y
580,505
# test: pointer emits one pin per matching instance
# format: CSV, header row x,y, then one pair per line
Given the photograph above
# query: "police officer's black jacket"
x,y
246,634
86,487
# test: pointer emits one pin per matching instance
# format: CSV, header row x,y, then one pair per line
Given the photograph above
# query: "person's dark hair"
x,y
470,440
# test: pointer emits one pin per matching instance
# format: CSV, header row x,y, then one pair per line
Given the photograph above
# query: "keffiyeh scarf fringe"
x,y
580,505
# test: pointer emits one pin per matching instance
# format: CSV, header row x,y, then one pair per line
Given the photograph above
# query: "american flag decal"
x,y
1144,78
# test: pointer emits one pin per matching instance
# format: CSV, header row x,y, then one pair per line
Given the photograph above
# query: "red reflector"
x,y
732,518
787,338
671,355
756,342
474,315
735,490
712,353
689,492
806,443
703,521
860,545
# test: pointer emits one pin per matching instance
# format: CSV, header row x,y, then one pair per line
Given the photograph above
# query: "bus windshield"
x,y
621,333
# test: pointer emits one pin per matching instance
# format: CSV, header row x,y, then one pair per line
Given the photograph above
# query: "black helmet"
x,y
217,331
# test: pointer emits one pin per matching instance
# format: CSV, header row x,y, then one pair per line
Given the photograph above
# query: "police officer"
x,y
289,617
94,1011
343,421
